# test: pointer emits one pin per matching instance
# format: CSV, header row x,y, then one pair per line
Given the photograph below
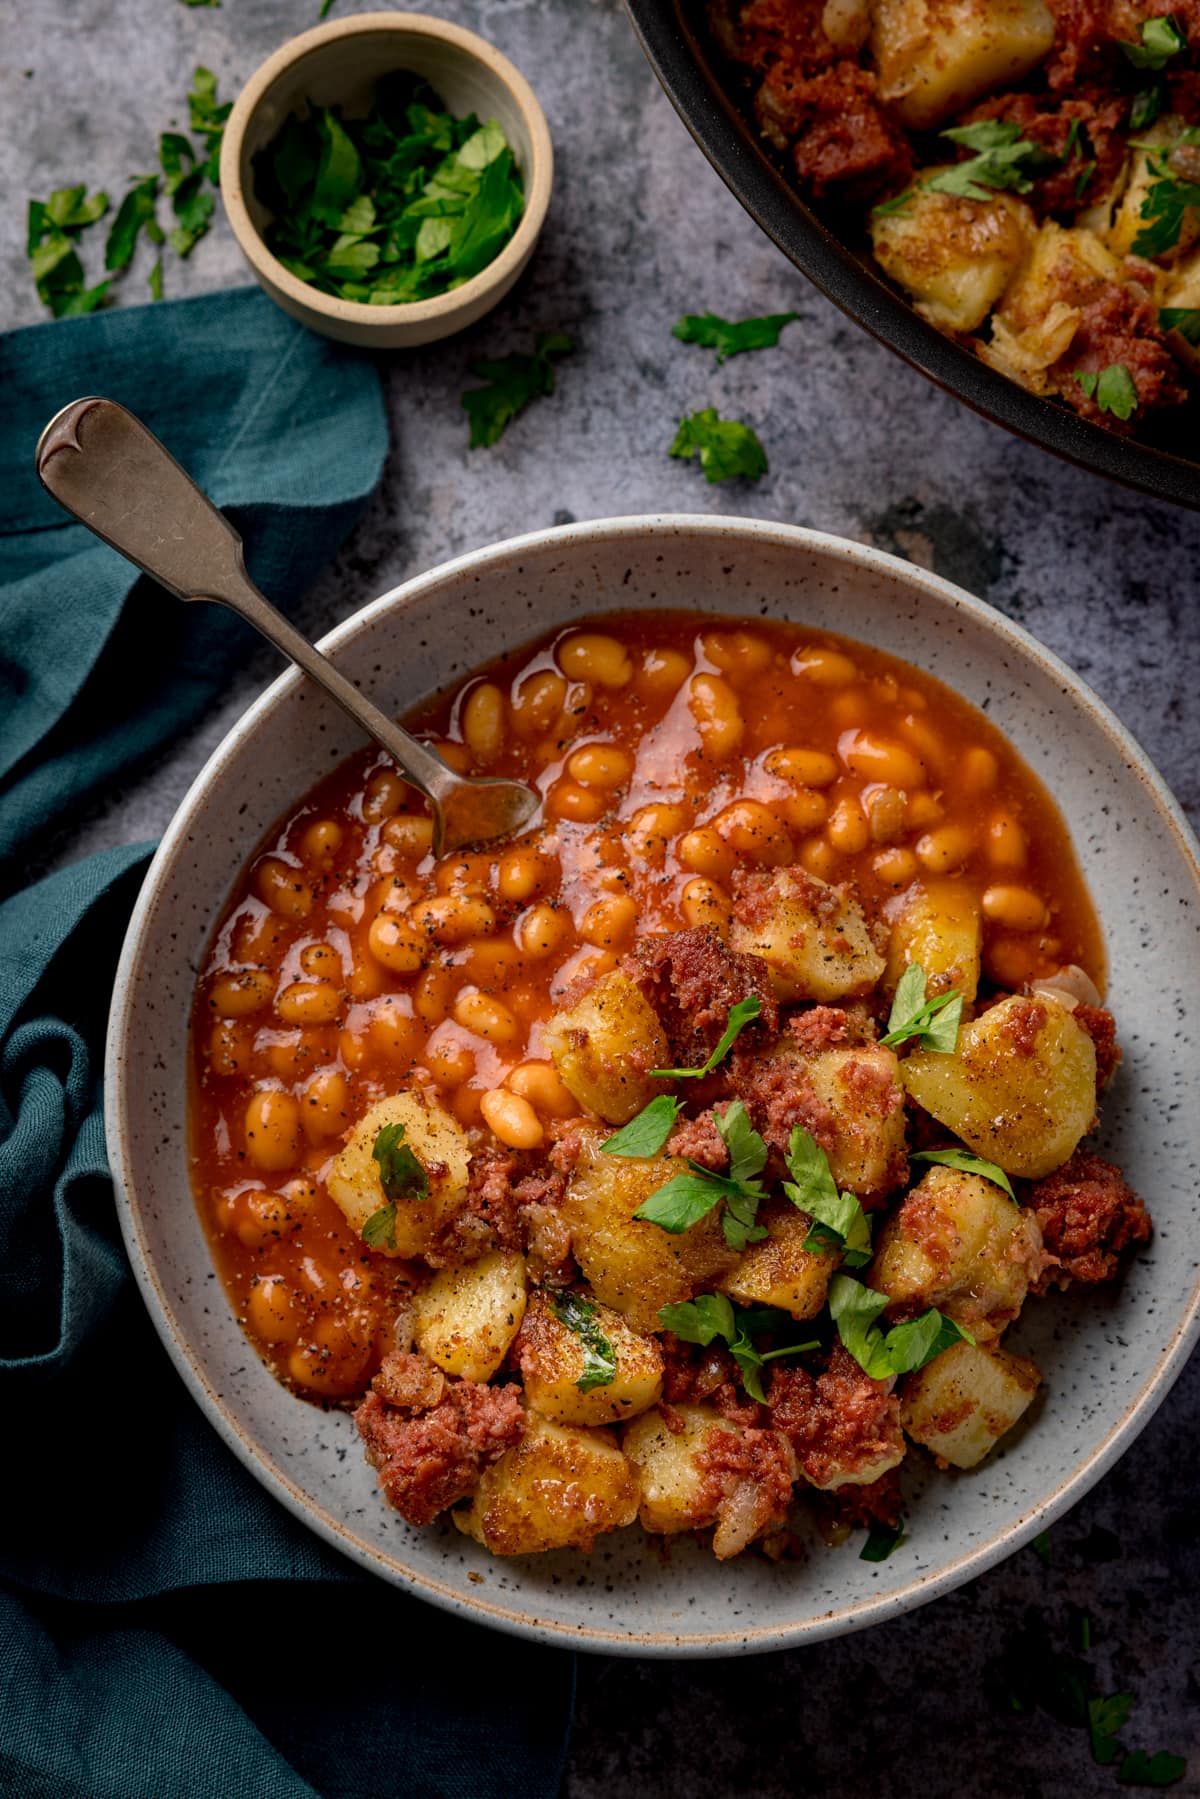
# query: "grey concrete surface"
x,y
641,230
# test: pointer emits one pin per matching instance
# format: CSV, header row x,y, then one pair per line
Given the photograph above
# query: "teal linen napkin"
x,y
166,1630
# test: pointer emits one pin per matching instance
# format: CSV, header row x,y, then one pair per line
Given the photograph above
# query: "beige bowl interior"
x,y
340,64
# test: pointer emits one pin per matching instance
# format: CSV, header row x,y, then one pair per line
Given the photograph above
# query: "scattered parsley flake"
x,y
740,1015
1043,1548
1146,106
1141,1770
882,1539
727,448
1003,159
1105,1718
1112,389
1184,319
1161,39
967,1163
933,1022
854,1308
599,1357
1165,205
134,215
731,337
712,1315
839,1221
687,1198
646,1134
154,280
897,206
514,382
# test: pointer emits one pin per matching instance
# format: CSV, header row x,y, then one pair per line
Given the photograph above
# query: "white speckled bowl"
x,y
1108,1359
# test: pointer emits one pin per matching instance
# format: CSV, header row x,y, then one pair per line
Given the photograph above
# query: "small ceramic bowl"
x,y
1107,1357
339,64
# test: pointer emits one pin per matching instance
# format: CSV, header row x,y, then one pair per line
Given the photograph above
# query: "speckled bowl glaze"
x,y
1108,1358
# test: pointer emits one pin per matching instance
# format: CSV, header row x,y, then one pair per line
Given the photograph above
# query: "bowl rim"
x,y
714,121
389,1565
538,179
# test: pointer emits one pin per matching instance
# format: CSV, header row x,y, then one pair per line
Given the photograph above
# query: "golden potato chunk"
x,y
861,1086
1143,170
440,1145
953,256
1037,319
553,1360
466,1317
672,1483
604,1046
813,937
935,56
962,1402
1183,291
959,1243
780,1271
939,927
630,1265
1020,1088
560,1488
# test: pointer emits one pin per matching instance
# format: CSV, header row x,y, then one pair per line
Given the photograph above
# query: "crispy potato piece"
x,y
630,1265
780,1271
935,56
1020,1089
439,1144
466,1317
1036,320
953,256
813,937
1184,290
551,1358
560,1488
867,1152
962,1402
940,927
1127,219
670,1478
604,1046
959,1243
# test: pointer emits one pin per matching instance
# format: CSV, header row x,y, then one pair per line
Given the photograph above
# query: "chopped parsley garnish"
x,y
967,1163
1146,106
513,382
599,1357
687,1198
402,205
1106,1717
839,1221
1112,389
1141,1770
54,228
1184,319
731,337
1003,159
905,1348
712,1315
401,1176
897,205
1161,39
1167,201
646,1134
134,215
881,1540
933,1022
740,1015
1042,1547
727,448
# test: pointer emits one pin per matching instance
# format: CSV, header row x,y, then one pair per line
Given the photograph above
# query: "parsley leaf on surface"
x,y
1147,104
740,1015
1105,1718
1161,39
881,1540
933,1022
513,382
1112,389
599,1358
1166,203
963,1160
731,337
1141,1770
154,280
839,1221
379,1231
1003,159
134,215
682,1202
646,1134
53,233
1043,1548
854,1308
687,1198
898,205
400,1174
747,1150
727,448
1184,319
712,1315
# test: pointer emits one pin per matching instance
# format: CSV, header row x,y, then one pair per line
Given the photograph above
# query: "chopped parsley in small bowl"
x,y
387,177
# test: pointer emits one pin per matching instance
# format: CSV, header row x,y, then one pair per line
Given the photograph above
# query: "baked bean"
x,y
512,1119
652,828
455,755
600,765
283,888
229,1048
336,1359
262,1218
714,706
271,1310
321,961
272,1129
367,978
944,850
449,1062
485,1017
483,722
321,841
736,653
309,1002
541,1084
755,832
409,835
896,867
393,1031
922,810
609,921
663,671
977,770
1011,962
706,852
1016,908
464,873
325,1105
885,810
926,742
537,703
848,830
875,758
819,857
433,993
541,931
382,796
522,873
703,902
591,656
454,917
292,1055
467,1106
804,810
582,805
850,709
240,991
828,668
804,768
1006,845
260,936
